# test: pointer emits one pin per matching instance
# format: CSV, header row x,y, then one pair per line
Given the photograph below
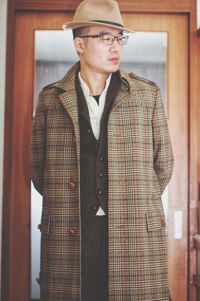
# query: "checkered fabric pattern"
x,y
140,163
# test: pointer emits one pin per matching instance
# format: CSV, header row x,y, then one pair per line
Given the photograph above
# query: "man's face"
x,y
95,54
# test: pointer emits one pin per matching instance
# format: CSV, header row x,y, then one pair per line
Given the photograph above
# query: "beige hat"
x,y
97,12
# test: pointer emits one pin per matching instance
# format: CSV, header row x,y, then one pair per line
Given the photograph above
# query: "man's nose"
x,y
116,46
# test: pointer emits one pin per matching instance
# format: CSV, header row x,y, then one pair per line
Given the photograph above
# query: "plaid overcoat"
x,y
140,164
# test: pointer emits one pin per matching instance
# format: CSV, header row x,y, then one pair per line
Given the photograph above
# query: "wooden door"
x,y
176,27
177,111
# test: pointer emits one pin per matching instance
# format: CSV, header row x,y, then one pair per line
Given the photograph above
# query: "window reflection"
x,y
144,55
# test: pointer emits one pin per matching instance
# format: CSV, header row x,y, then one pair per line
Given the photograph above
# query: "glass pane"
x,y
145,55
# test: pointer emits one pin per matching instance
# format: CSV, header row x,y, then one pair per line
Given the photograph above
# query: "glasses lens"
x,y
107,39
123,40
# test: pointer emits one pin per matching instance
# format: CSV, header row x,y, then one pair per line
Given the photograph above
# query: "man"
x,y
101,158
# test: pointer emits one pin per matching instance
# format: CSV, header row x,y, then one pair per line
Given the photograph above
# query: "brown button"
x,y
94,208
162,222
71,232
72,185
100,174
101,158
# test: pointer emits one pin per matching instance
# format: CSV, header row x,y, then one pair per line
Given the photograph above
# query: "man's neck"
x,y
96,82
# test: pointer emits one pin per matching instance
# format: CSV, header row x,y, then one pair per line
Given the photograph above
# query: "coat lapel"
x,y
68,95
69,101
128,87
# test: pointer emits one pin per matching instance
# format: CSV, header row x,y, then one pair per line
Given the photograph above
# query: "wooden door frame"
x,y
9,266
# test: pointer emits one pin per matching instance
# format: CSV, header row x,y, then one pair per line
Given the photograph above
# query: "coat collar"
x,y
67,83
68,94
125,79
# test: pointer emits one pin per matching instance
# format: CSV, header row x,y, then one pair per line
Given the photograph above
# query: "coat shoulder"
x,y
49,94
50,88
146,90
142,81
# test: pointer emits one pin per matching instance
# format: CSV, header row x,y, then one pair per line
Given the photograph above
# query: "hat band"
x,y
108,22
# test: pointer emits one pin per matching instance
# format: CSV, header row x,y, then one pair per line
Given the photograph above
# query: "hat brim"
x,y
78,24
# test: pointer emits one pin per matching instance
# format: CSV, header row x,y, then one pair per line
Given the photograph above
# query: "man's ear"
x,y
79,45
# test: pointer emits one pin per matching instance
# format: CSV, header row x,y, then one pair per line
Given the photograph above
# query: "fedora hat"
x,y
97,13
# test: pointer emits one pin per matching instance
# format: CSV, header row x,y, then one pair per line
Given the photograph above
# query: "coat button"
x,y
89,131
72,185
71,232
94,208
100,174
162,222
100,158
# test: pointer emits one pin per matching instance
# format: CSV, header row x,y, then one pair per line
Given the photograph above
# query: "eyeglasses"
x,y
109,39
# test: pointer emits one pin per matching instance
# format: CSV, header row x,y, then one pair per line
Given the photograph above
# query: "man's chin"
x,y
113,69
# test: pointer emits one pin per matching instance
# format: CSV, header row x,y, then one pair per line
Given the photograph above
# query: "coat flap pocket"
x,y
62,225
44,227
155,221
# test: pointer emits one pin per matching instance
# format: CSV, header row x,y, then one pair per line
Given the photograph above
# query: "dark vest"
x,y
94,193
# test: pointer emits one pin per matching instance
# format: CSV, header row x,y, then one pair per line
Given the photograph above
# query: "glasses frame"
x,y
119,39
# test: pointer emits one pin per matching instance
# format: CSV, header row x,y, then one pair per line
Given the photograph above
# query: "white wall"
x,y
3,29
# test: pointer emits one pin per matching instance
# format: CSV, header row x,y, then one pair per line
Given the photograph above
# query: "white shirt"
x,y
95,112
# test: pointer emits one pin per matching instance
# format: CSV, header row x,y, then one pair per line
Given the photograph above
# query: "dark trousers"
x,y
95,259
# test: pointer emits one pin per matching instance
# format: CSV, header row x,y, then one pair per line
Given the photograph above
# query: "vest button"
x,y
71,232
100,158
100,174
72,185
100,191
96,145
94,208
89,131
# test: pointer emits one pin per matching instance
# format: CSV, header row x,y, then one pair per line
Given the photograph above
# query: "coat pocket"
x,y
59,225
154,221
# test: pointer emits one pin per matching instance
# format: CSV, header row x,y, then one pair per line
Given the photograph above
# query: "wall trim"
x,y
169,6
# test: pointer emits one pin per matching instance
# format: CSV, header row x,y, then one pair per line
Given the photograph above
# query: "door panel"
x,y
177,111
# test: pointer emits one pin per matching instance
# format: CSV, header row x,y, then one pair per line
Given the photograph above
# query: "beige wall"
x,y
3,21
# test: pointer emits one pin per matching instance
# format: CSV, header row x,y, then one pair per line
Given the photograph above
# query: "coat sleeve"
x,y
38,146
162,149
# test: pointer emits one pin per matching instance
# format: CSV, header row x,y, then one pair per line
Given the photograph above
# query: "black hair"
x,y
77,32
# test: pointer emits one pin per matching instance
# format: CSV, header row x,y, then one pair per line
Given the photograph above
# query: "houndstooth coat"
x,y
140,165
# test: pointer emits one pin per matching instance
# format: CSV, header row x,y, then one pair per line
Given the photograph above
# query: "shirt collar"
x,y
85,88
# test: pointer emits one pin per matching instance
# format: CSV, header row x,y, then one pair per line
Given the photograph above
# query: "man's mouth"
x,y
114,60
